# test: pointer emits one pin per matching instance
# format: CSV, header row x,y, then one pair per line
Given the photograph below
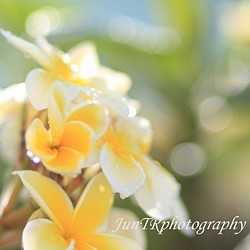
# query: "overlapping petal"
x,y
159,191
77,136
138,130
49,196
39,83
124,173
38,140
67,161
84,55
94,115
88,215
42,234
116,103
56,113
107,80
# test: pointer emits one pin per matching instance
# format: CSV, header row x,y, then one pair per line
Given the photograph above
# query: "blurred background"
x,y
190,65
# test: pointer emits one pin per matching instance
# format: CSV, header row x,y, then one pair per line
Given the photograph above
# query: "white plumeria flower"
x,y
12,101
125,162
79,67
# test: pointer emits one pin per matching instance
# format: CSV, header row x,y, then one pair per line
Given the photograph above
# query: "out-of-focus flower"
x,y
12,100
70,138
79,66
132,231
69,227
235,22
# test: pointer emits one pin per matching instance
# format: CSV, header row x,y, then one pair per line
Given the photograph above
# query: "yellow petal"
x,y
42,234
39,83
159,192
29,49
123,172
49,196
92,208
77,136
38,141
94,115
67,161
111,242
56,112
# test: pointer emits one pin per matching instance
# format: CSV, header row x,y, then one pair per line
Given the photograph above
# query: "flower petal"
x,y
67,161
160,190
123,172
56,112
39,83
94,115
42,234
29,49
110,242
139,130
45,192
181,213
109,80
134,231
77,136
88,215
115,102
38,141
84,55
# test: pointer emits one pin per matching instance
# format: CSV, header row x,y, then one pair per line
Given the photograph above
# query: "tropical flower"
x,y
68,143
80,67
125,162
12,101
125,139
70,228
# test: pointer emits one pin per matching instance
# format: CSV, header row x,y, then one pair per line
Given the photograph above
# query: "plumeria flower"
x,y
68,142
125,162
80,66
70,228
12,101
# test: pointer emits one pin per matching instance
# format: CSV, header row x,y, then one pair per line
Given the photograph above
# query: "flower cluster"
x,y
79,126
